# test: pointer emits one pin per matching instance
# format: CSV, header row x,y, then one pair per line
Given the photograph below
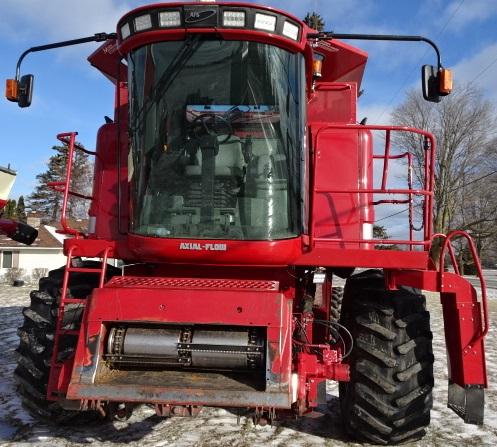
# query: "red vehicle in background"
x,y
233,181
17,231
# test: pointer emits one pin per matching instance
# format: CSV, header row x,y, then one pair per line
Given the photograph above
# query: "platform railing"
x,y
409,193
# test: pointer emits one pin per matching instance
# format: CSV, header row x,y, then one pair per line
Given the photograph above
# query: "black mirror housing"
x,y
430,83
25,90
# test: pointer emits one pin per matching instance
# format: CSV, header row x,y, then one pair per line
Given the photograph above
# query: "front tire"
x,y
389,397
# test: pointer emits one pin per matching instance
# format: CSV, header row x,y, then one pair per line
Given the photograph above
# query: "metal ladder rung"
x,y
84,270
74,301
69,332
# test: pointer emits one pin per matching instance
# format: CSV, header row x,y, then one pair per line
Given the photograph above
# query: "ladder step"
x,y
69,332
84,270
74,301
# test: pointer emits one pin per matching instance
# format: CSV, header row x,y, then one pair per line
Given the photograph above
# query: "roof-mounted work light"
x,y
210,15
235,19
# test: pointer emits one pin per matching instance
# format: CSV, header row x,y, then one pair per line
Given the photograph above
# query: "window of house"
x,y
7,259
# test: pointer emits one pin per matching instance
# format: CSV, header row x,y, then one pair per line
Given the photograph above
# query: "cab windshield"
x,y
216,133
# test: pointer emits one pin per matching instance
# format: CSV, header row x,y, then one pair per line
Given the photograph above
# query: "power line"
x,y
483,71
408,76
473,181
452,190
391,215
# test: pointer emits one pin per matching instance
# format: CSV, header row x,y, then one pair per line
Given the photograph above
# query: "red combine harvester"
x,y
233,181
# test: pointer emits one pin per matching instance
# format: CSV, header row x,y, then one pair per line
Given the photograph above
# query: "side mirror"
x,y
435,83
429,77
20,91
25,90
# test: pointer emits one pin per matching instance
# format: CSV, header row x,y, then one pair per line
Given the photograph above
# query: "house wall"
x,y
29,259
41,258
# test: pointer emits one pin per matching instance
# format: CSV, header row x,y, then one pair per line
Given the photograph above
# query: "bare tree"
x,y
462,125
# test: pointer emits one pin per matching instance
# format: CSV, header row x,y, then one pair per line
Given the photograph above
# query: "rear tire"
x,y
37,339
389,397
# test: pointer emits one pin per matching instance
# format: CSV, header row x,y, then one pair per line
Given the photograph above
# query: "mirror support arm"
x,y
99,37
331,35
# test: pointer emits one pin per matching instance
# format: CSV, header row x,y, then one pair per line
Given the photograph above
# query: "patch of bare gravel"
x,y
217,427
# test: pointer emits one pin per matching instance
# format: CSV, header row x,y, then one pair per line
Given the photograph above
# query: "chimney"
x,y
33,220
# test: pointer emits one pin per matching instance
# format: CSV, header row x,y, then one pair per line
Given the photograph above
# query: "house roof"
x,y
45,239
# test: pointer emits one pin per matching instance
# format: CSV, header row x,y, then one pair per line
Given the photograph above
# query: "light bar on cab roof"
x,y
210,15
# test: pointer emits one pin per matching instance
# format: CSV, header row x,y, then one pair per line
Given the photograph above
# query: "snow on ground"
x,y
217,427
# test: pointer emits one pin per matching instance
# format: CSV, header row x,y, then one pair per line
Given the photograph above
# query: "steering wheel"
x,y
211,124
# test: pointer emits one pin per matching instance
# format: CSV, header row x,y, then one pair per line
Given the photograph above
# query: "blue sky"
x,y
71,95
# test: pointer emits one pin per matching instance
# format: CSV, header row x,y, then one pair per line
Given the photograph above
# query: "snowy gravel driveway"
x,y
216,427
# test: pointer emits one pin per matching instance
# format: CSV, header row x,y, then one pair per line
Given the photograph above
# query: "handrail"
x,y
426,190
447,243
68,139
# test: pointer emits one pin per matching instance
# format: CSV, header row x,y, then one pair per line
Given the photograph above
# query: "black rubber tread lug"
x,y
375,327
368,395
38,319
411,435
370,371
23,373
28,387
411,344
28,364
32,341
413,318
424,415
380,355
373,422
406,400
408,373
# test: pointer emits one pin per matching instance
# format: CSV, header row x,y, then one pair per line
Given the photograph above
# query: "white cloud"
x,y
58,19
482,69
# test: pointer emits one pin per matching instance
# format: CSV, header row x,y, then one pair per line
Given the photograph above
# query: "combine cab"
x,y
233,181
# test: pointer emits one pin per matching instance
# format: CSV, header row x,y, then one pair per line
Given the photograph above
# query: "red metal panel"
x,y
104,207
205,251
333,103
336,215
322,255
107,60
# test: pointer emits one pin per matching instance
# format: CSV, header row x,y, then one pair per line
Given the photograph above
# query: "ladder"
x,y
58,375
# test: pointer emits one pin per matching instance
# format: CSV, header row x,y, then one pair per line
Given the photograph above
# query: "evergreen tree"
x,y
21,210
315,21
47,202
9,211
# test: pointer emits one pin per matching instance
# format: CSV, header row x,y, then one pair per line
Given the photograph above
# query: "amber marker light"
x,y
445,79
12,90
317,66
